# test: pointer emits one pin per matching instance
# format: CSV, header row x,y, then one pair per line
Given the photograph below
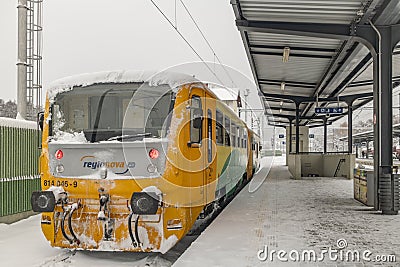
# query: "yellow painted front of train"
x,y
131,159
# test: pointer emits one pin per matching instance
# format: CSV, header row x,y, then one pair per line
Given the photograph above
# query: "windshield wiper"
x,y
129,136
98,114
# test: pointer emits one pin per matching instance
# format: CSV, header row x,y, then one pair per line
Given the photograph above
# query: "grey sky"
x,y
95,35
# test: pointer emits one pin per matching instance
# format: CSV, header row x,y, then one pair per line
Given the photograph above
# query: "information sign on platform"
x,y
337,110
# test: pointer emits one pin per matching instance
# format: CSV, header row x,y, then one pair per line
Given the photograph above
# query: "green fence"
x,y
15,194
19,172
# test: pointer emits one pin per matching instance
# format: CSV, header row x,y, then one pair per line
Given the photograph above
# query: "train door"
x,y
198,146
195,146
210,161
250,155
201,147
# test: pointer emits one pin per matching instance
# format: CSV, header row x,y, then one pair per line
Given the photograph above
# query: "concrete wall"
x,y
346,170
312,164
294,164
303,139
302,165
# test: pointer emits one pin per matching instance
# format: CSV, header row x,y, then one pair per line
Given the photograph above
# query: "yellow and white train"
x,y
130,159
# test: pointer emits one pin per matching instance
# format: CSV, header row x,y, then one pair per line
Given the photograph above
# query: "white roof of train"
x,y
224,94
153,78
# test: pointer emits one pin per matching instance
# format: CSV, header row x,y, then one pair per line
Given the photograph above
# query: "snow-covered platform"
x,y
298,217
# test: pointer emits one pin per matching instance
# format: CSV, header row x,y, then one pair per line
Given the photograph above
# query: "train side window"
x,y
209,135
233,134
256,146
196,114
227,131
220,128
238,136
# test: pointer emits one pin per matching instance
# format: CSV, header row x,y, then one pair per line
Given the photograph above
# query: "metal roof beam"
x,y
294,48
324,30
341,62
354,73
303,99
264,53
293,98
287,83
371,82
343,57
237,9
346,81
316,125
354,108
277,100
282,108
277,125
370,10
291,117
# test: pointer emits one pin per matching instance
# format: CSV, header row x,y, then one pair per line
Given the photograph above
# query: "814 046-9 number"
x,y
63,183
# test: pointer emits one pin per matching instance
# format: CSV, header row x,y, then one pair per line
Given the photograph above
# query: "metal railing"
x,y
19,172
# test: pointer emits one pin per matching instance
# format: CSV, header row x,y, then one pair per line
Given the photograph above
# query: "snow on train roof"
x,y
224,94
153,78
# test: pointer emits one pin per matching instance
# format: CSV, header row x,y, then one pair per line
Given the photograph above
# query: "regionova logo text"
x,y
93,163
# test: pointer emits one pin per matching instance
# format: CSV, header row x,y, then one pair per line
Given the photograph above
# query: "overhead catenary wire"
x,y
186,41
206,40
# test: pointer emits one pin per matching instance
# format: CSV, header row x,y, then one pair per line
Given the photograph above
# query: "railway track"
x,y
58,260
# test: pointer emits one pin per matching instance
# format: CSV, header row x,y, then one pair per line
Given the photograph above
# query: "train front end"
x,y
104,169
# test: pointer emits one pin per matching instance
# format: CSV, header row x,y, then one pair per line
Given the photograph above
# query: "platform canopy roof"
x,y
291,57
368,136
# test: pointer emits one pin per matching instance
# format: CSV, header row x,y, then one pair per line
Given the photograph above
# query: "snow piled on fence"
x,y
14,123
153,78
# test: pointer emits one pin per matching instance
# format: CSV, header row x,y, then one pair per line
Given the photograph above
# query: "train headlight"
x,y
60,168
154,153
43,201
151,168
59,154
144,203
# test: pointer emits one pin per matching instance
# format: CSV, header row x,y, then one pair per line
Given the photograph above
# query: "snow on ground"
x,y
283,214
23,244
287,214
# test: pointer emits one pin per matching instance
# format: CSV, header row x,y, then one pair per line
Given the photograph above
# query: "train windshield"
x,y
109,112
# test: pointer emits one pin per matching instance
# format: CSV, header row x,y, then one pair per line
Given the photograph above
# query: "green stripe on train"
x,y
232,171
